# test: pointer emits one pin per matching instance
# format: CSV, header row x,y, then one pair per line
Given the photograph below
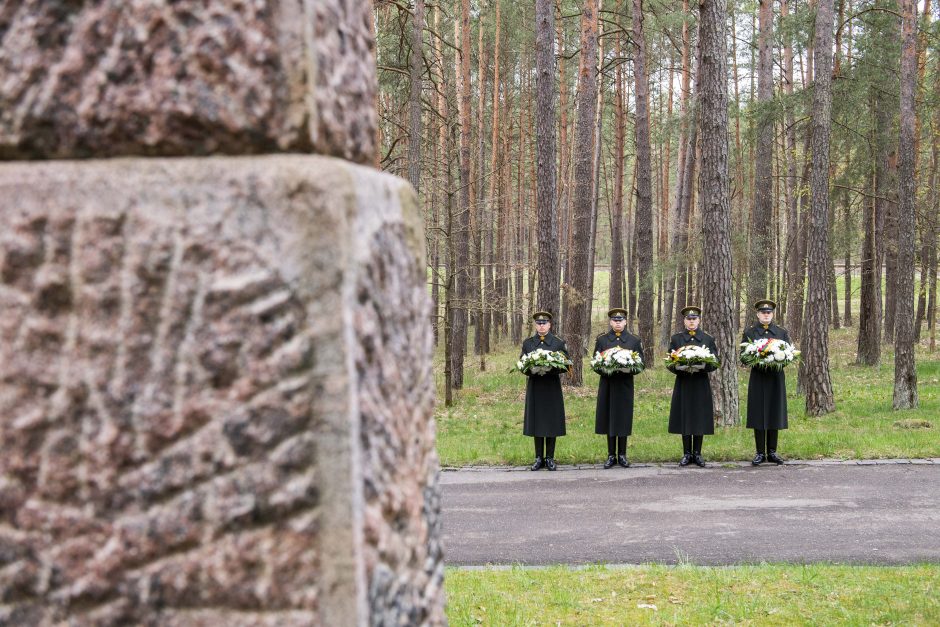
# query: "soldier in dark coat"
x,y
544,405
614,415
766,389
691,413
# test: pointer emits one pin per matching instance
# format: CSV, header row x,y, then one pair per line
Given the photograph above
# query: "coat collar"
x,y
772,328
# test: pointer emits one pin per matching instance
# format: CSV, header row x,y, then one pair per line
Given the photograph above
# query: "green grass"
x,y
484,426
765,594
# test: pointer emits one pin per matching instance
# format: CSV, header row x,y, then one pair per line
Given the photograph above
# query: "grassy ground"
x,y
766,594
484,426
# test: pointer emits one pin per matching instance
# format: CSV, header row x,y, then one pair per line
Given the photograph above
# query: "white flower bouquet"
x,y
768,353
615,360
691,359
541,362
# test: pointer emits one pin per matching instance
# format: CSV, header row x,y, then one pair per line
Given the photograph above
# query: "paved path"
x,y
857,512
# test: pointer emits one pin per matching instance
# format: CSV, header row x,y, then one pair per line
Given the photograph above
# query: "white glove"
x,y
682,367
697,367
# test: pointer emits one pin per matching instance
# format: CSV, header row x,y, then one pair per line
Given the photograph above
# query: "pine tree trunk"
x,y
460,234
578,298
596,177
933,214
818,383
869,314
763,165
563,191
676,294
795,253
718,299
644,198
414,99
847,263
616,283
548,266
478,218
905,372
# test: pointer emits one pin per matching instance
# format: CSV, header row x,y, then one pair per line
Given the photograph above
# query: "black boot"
x,y
772,456
539,462
697,450
759,459
550,464
687,450
611,460
622,450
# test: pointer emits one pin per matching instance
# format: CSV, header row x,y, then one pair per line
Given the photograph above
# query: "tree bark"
x,y
478,219
905,372
676,294
616,283
414,99
933,213
461,232
718,299
762,217
819,398
578,297
548,267
644,197
793,252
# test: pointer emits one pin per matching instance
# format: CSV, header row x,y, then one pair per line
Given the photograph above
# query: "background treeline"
x,y
552,139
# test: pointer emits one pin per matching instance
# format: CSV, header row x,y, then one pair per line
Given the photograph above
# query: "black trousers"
x,y
616,442
692,443
545,447
765,441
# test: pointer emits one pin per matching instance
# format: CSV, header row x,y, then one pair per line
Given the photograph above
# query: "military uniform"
x,y
544,417
614,414
691,411
766,391
544,403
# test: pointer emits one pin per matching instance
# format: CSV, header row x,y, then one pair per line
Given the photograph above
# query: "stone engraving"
x,y
215,395
108,78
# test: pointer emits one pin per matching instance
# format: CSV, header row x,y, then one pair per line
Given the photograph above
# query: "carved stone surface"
x,y
215,395
97,78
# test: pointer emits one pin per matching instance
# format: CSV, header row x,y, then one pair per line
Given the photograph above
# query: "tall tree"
x,y
644,193
933,212
548,265
578,297
872,313
616,281
461,232
415,69
905,374
675,281
718,298
819,398
762,217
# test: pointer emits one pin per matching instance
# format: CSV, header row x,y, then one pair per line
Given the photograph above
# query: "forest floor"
x,y
484,425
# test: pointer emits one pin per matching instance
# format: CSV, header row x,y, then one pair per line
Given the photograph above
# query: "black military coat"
x,y
614,413
691,412
544,403
766,389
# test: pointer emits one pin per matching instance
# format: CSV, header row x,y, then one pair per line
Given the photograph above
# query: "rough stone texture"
x,y
215,395
99,78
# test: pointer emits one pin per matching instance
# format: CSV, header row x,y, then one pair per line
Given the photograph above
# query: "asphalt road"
x,y
873,514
